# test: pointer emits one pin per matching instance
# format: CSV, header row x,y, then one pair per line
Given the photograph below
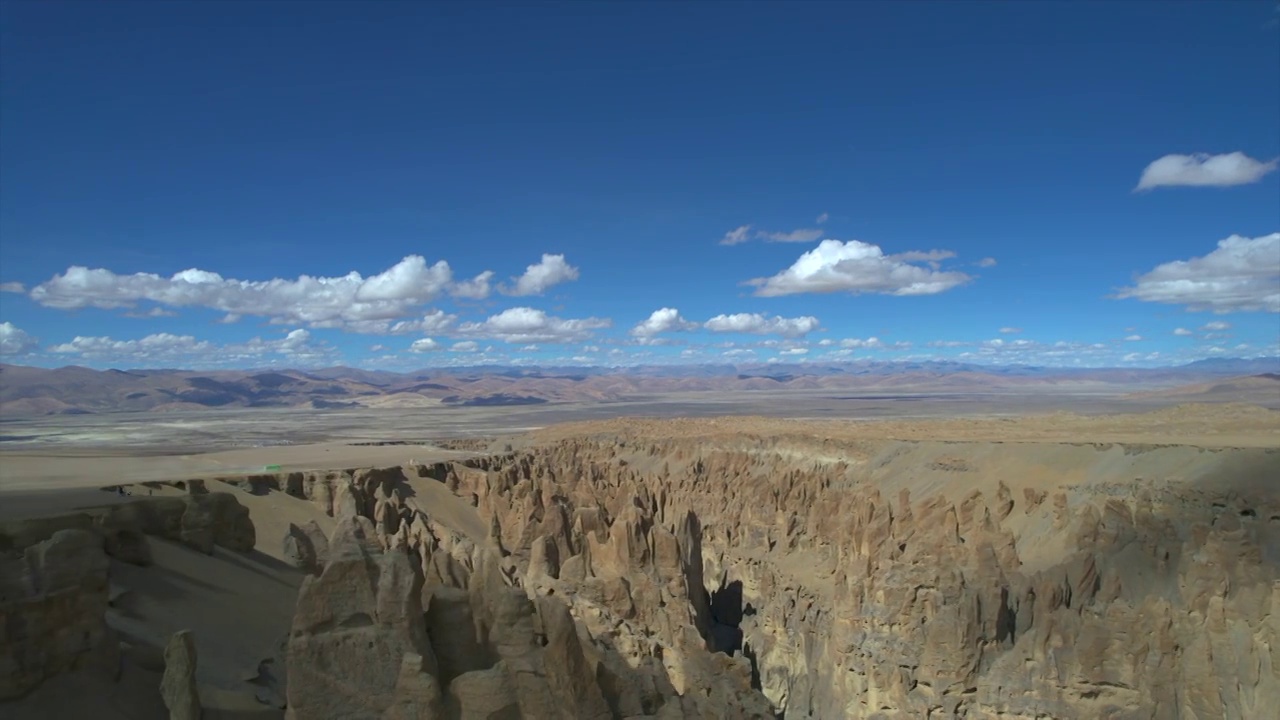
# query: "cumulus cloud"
x,y
436,321
796,351
13,287
1181,331
1242,274
476,288
757,324
537,278
296,347
351,301
1216,326
425,345
857,267
527,325
660,321
1133,338
1204,170
737,235
1010,330
465,346
15,340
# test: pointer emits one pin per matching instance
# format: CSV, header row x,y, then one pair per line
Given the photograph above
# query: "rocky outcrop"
x,y
354,625
306,547
178,685
828,586
364,646
53,601
199,521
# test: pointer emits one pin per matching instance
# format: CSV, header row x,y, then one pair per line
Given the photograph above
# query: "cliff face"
x,y
362,645
896,579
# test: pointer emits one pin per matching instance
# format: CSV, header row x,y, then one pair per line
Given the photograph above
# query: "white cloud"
x,y
871,342
858,267
465,346
822,218
349,301
987,262
152,350
13,287
537,278
1010,330
378,348
1204,170
434,322
15,341
531,348
800,235
155,312
590,348
1133,338
737,235
660,321
425,345
743,233
947,343
794,351
476,288
757,324
738,352
527,325
1181,331
1242,274
1216,326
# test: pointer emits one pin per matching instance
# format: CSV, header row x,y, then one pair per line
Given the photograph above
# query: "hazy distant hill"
x,y
26,391
1249,388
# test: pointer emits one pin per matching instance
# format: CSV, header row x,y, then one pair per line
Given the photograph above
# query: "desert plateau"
x,y
589,360
1037,564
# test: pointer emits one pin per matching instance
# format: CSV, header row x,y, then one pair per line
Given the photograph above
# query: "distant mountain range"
x,y
27,391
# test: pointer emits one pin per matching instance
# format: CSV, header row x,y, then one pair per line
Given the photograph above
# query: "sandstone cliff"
x,y
892,579
362,645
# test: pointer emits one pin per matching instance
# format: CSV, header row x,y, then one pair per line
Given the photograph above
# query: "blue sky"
x,y
251,184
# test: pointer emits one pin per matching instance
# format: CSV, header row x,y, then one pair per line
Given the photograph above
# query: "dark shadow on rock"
x,y
263,564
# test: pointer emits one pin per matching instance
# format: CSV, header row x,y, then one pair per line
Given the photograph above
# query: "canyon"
x,y
1059,566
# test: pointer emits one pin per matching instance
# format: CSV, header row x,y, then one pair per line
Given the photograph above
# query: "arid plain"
x,y
797,554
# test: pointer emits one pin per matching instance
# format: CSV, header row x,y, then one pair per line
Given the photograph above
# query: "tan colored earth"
x,y
1044,566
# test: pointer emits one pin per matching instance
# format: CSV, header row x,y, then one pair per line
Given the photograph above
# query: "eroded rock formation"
x,y
842,600
411,620
178,685
200,521
53,602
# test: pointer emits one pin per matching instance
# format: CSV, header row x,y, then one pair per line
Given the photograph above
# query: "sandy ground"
x,y
23,471
1200,425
